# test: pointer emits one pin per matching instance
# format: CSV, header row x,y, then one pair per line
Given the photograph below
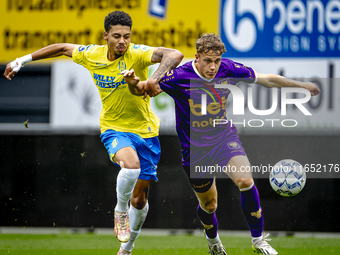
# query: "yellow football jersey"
x,y
121,110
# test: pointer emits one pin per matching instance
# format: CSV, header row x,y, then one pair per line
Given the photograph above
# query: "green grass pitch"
x,y
67,244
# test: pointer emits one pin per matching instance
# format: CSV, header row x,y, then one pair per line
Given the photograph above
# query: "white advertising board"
x,y
75,101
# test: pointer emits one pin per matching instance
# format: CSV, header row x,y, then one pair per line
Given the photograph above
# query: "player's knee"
x,y
210,206
243,183
131,164
138,202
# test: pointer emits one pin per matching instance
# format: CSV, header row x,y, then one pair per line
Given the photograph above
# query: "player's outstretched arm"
x,y
273,80
168,59
136,86
51,51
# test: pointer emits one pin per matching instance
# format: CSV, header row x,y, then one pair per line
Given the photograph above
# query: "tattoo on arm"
x,y
164,67
157,55
167,62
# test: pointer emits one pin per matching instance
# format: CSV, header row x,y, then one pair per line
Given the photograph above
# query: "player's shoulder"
x,y
235,69
228,65
138,48
91,49
85,53
183,71
186,67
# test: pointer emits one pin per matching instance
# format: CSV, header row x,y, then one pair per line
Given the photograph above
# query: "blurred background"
x,y
56,172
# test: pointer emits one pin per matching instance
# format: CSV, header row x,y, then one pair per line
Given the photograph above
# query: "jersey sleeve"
x,y
244,73
144,54
78,54
169,83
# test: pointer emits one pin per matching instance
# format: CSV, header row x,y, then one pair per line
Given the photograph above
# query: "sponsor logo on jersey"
x,y
105,81
170,73
142,47
213,108
100,64
233,145
89,47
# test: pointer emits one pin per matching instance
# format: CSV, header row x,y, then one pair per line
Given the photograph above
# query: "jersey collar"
x,y
196,71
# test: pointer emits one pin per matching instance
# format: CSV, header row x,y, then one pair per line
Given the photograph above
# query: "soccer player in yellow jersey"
x,y
129,128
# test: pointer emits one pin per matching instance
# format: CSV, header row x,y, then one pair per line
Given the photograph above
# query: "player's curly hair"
x,y
117,18
208,42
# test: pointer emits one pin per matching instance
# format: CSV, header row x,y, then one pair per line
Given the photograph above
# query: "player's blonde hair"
x,y
208,42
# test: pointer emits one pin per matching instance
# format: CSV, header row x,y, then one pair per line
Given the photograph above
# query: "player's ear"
x,y
106,36
196,56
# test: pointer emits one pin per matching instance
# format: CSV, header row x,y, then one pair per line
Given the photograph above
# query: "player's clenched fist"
x,y
14,67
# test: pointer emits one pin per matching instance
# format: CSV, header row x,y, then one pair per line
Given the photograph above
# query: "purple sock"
x,y
208,221
250,201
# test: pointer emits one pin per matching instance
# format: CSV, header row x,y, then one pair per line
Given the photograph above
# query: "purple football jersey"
x,y
195,127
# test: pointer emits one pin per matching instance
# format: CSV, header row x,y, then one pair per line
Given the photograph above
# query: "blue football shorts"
x,y
148,150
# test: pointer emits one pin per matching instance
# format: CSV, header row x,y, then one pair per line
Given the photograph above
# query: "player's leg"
x,y
149,153
122,152
250,200
127,177
206,209
138,211
126,181
207,213
241,175
206,192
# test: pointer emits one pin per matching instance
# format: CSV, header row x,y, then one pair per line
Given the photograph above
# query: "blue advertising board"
x,y
280,28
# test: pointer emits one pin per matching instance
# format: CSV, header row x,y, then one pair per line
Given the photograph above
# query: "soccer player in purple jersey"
x,y
206,144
